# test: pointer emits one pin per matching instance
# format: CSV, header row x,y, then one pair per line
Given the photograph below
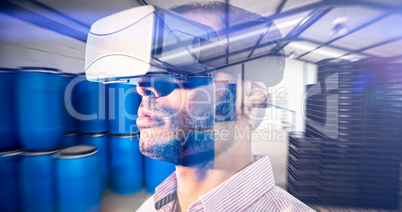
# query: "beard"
x,y
172,142
191,148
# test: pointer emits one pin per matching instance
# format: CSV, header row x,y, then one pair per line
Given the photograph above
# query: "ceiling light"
x,y
339,27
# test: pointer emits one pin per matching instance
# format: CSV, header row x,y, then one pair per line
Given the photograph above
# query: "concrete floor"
x,y
113,202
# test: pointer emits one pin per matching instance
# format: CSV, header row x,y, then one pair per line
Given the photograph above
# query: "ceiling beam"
x,y
26,15
397,58
142,2
349,33
372,46
277,12
248,60
378,44
337,3
308,21
46,7
303,60
282,40
369,4
280,7
331,46
360,51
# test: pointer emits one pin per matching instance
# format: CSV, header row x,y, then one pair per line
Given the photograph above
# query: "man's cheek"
x,y
173,107
225,106
200,108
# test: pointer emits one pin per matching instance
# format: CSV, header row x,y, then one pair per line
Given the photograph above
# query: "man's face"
x,y
176,119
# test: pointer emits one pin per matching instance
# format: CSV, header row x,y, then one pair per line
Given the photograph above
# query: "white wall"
x,y
297,87
24,44
296,75
269,138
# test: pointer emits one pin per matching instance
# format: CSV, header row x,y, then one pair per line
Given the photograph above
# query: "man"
x,y
202,123
235,181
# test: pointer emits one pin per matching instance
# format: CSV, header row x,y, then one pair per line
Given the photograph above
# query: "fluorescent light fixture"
x,y
302,45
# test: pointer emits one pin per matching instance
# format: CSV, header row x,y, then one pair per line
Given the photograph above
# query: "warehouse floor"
x,y
113,202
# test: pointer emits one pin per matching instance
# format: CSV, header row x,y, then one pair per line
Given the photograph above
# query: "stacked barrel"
x,y
57,129
70,106
126,161
92,127
7,122
8,144
9,147
78,178
40,128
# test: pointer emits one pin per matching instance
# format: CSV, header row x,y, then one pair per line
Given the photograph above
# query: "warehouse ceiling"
x,y
313,30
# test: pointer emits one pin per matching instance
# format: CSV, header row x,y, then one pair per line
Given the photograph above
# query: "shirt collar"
x,y
165,193
251,182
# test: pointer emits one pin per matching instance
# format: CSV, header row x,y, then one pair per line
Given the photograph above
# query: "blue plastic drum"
x,y
78,179
126,164
39,108
156,172
92,106
36,179
70,102
123,104
7,136
70,139
101,141
9,198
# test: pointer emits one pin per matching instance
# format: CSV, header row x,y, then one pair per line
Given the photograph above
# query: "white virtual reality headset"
x,y
148,40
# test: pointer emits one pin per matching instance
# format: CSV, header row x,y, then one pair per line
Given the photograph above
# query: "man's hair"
x,y
242,30
229,21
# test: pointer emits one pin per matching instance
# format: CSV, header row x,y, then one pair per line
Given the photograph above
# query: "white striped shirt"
x,y
251,189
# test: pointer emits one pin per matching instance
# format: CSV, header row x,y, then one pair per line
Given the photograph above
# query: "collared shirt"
x,y
251,189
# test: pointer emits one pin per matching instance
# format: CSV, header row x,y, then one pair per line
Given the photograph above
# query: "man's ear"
x,y
255,99
256,95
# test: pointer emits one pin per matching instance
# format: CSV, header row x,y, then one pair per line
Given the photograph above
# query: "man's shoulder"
x,y
277,199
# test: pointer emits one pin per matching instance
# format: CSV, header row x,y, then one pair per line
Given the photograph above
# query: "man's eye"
x,y
149,93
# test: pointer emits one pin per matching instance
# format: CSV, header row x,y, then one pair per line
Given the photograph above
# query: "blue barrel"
x,y
39,100
70,139
101,141
123,105
9,195
156,172
7,135
78,179
36,179
126,164
92,106
70,102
